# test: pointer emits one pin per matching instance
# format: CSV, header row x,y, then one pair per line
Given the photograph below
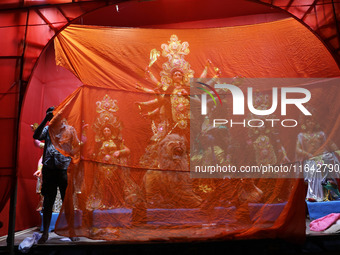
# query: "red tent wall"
x,y
321,16
27,26
49,86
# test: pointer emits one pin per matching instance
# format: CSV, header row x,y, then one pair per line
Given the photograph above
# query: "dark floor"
x,y
315,243
323,245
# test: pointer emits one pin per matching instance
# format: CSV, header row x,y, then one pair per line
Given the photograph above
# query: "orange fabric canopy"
x,y
121,187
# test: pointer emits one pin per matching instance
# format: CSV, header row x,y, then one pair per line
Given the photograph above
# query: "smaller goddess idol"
x,y
111,156
314,150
